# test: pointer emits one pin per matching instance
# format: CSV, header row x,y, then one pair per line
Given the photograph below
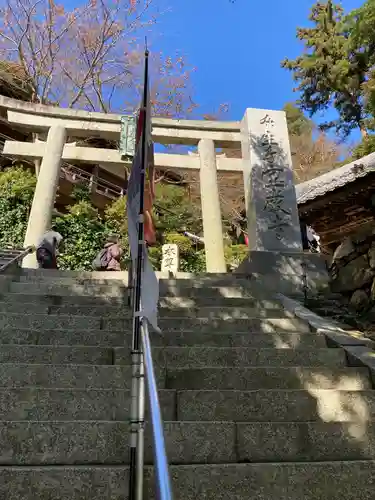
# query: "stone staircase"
x,y
8,257
256,406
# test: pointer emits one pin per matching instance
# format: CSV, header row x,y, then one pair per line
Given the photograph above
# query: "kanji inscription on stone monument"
x,y
170,258
273,223
274,180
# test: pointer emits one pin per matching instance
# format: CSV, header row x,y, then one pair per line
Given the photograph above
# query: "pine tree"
x,y
298,123
362,36
331,71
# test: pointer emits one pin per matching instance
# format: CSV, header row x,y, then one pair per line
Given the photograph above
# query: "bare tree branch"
x,y
92,56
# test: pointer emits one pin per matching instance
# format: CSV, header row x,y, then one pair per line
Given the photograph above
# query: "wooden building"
x,y
340,203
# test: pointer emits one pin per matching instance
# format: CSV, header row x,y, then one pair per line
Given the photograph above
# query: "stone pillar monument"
x,y
211,211
273,222
45,192
275,245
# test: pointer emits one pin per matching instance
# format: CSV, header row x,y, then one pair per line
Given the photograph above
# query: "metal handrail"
x,y
163,480
18,257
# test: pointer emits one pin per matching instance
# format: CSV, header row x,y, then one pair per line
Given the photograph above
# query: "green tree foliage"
x,y
116,221
298,123
362,35
85,230
366,147
16,194
192,258
332,70
84,233
174,212
235,254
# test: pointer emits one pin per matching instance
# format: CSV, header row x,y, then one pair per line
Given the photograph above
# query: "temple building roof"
x,y
341,202
337,178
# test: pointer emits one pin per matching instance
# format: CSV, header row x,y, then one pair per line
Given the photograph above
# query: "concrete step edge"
x,y
112,318
36,388
176,348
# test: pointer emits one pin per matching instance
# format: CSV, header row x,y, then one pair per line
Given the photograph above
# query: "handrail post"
x,y
130,284
141,426
17,258
136,443
162,478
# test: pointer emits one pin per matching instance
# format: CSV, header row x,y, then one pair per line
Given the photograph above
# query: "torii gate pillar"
x,y
211,211
45,192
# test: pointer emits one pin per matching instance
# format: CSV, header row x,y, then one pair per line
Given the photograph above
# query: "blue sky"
x,y
237,48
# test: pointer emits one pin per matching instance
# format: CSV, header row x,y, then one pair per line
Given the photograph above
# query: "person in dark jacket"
x,y
114,253
47,249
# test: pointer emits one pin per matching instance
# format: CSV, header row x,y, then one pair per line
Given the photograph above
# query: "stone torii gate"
x,y
272,214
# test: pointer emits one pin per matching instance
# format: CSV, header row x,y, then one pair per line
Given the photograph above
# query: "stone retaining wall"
x,y
352,271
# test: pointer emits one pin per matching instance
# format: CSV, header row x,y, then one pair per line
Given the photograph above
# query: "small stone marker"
x,y
170,258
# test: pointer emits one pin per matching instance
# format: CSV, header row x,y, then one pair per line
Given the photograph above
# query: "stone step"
x,y
224,308
77,322
18,307
337,480
59,355
69,376
58,300
93,278
184,279
121,302
105,338
48,322
251,378
199,356
228,325
329,298
33,403
89,442
222,311
207,280
4,283
243,290
305,441
115,289
104,442
216,312
202,357
276,405
58,274
254,339
214,301
55,275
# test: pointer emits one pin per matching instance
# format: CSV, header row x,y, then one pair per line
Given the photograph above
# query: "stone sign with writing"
x,y
273,222
170,258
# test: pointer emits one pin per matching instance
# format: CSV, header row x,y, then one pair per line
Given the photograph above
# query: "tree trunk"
x,y
363,131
